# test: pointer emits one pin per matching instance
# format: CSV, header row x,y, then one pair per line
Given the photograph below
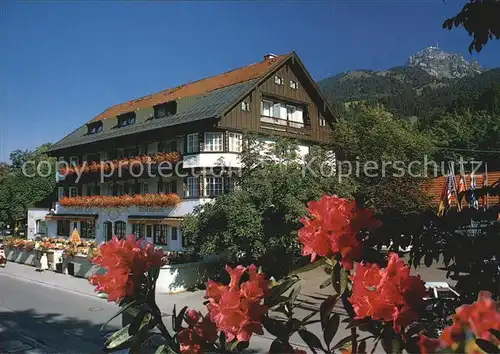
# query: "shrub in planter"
x,y
379,295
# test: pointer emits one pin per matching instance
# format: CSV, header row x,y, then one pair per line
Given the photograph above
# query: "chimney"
x,y
269,56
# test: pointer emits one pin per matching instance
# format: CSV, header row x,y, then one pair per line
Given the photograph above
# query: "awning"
x,y
73,217
154,220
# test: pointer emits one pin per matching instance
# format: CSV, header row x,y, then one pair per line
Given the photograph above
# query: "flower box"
x,y
81,266
28,257
182,277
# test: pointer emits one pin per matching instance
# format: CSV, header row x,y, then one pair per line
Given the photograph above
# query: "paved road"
x,y
36,318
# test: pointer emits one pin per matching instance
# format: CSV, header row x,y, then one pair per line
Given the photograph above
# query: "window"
x,y
193,144
126,119
213,186
63,227
235,142
184,241
266,108
143,149
60,193
94,128
174,234
278,80
166,109
170,146
167,186
139,230
322,121
120,229
192,186
245,106
294,84
90,190
160,235
73,192
73,161
108,230
144,188
290,111
87,229
213,142
295,116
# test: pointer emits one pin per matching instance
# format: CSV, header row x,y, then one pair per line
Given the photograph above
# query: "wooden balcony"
x,y
284,125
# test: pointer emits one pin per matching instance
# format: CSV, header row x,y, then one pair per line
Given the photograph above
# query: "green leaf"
x,y
174,316
487,346
118,338
309,267
293,295
276,292
311,340
137,322
331,329
276,327
341,343
279,347
339,279
326,308
242,346
162,349
180,317
122,309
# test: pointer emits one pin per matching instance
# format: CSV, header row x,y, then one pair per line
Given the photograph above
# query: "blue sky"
x,y
63,62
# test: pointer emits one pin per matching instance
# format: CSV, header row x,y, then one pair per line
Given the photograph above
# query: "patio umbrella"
x,y
75,237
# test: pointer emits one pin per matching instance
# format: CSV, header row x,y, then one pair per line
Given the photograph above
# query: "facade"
x,y
177,149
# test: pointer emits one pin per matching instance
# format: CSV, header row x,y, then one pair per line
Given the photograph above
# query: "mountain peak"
x,y
441,64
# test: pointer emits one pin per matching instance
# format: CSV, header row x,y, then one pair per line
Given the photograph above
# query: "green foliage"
x,y
258,221
375,136
481,20
23,185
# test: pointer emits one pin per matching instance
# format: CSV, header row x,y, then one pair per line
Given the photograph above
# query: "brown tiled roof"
x,y
433,188
195,88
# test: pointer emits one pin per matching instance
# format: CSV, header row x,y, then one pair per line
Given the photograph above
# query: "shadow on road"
x,y
62,334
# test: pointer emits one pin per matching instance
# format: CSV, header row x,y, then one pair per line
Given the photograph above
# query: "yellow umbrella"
x,y
75,237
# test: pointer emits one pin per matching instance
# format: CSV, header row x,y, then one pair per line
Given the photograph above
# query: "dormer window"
x,y
165,109
94,128
126,119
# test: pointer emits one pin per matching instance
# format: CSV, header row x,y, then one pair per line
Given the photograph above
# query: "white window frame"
x,y
215,182
214,141
278,80
235,142
71,190
245,106
193,143
270,103
60,193
294,85
192,186
322,122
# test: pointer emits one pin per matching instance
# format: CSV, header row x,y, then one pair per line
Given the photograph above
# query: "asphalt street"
x,y
35,318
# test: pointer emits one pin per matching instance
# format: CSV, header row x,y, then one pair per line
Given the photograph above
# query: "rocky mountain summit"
x,y
440,64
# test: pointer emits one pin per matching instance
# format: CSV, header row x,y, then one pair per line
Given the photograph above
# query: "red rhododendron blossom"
x,y
333,227
193,338
125,262
469,320
387,294
236,309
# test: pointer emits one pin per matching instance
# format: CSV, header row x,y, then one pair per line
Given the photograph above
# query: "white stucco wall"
x,y
35,214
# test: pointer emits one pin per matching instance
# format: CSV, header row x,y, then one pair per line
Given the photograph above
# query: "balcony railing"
x,y
122,163
283,124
